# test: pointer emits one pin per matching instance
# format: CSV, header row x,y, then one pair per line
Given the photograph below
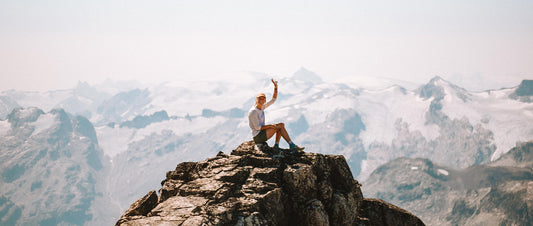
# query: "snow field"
x,y
510,120
44,122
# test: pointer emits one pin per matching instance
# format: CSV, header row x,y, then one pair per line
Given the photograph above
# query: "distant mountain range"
x,y
136,132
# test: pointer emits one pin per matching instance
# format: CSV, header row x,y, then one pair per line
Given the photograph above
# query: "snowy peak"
x,y
307,76
437,87
434,88
125,105
7,104
56,124
83,89
50,158
24,115
438,81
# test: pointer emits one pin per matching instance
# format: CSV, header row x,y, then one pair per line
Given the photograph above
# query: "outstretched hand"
x,y
275,83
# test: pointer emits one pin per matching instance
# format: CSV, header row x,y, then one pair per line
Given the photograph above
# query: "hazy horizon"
x,y
54,44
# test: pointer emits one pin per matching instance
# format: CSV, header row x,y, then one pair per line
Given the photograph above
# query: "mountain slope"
x,y
479,195
519,156
7,104
50,167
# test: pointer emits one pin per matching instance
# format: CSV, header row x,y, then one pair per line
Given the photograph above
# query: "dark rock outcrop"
x,y
264,186
525,88
379,212
142,121
524,92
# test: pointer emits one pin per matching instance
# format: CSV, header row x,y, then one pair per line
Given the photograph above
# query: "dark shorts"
x,y
261,137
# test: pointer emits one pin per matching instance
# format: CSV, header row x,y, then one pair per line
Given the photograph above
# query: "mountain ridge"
x,y
495,193
370,127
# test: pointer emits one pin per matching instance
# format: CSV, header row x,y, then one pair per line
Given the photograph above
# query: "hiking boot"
x,y
296,148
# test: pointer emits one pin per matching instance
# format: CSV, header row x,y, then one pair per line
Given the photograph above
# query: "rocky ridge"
x,y
499,193
263,186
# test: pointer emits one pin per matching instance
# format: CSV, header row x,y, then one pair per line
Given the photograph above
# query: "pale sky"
x,y
53,44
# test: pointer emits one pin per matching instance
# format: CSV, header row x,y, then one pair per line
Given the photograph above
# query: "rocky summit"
x,y
263,186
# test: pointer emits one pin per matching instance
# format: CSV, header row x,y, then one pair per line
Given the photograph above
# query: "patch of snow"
x,y
26,112
509,120
380,109
179,126
114,140
44,122
191,97
5,126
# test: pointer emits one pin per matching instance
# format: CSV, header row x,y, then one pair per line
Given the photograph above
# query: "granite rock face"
x,y
263,186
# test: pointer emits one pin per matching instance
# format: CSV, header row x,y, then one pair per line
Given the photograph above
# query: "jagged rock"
x,y
142,206
263,186
379,212
524,92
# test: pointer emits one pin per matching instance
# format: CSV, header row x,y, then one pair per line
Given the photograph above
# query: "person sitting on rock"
x,y
261,132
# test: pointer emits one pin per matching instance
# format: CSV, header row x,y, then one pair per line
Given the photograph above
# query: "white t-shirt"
x,y
256,117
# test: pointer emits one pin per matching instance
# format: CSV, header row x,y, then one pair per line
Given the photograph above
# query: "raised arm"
x,y
275,95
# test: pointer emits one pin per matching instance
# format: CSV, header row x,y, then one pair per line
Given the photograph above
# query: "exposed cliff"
x,y
263,187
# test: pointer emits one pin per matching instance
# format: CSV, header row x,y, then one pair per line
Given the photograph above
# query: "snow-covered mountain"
x,y
147,129
51,168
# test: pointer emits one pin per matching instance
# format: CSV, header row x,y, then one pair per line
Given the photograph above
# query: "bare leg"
x,y
280,132
283,132
278,136
270,133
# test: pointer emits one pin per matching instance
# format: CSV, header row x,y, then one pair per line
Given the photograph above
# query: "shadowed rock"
x,y
263,186
379,212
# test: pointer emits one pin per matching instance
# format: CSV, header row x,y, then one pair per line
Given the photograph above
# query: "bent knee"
x,y
281,124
